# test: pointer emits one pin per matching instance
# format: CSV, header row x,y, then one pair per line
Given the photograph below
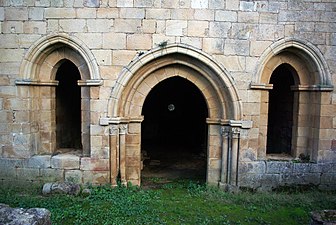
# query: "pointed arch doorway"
x,y
140,79
174,131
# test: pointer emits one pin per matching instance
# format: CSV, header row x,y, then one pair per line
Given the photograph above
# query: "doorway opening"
x,y
68,109
280,112
174,131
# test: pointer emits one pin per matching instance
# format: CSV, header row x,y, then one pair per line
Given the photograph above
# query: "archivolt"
x,y
42,60
140,76
303,56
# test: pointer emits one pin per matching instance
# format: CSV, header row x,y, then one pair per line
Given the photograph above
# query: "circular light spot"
x,y
171,107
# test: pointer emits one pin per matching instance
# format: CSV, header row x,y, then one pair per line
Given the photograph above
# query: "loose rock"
x,y
61,188
20,216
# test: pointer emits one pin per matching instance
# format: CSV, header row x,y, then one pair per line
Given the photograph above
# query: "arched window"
x,y
280,111
68,107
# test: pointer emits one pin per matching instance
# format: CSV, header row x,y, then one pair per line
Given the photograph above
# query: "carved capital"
x,y
235,132
123,128
114,129
225,131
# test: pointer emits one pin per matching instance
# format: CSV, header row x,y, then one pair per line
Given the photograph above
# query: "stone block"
x,y
34,27
159,38
300,179
37,161
216,4
12,27
11,55
59,13
7,172
328,178
52,175
176,27
232,4
74,176
224,15
122,57
213,176
148,26
276,167
143,3
236,47
65,161
182,14
10,41
232,63
16,13
35,13
114,40
213,45
90,39
139,41
86,13
94,164
214,164
199,4
198,28
110,13
219,29
30,174
92,3
269,180
99,25
249,180
73,25
158,14
258,47
96,177
103,57
252,167
124,3
204,14
132,13
133,172
193,41
127,25
246,6
2,13
248,17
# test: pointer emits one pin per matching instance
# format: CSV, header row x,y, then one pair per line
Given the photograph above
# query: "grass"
x,y
180,202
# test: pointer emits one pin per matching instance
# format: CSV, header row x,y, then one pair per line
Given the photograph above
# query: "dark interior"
x,y
68,107
280,112
174,131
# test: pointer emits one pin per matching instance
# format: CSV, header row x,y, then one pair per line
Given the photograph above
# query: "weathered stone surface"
x,y
20,216
61,188
124,48
325,217
65,161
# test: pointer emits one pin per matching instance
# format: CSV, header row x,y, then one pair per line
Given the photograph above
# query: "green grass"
x,y
181,202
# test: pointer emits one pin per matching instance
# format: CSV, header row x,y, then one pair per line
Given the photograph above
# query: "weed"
x,y
178,202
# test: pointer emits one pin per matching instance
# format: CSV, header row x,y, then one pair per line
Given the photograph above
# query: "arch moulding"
x,y
304,57
142,74
41,61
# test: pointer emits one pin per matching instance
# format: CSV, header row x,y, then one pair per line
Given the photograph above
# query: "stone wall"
x,y
245,39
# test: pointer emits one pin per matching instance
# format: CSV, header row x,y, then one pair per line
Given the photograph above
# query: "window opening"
x,y
280,112
68,108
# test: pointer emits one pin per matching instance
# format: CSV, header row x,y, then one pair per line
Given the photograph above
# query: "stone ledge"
x,y
65,161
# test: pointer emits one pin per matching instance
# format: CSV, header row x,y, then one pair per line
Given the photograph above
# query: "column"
x,y
225,132
235,148
122,152
114,153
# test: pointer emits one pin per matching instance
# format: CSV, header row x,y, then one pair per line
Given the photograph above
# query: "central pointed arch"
x,y
141,75
134,84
